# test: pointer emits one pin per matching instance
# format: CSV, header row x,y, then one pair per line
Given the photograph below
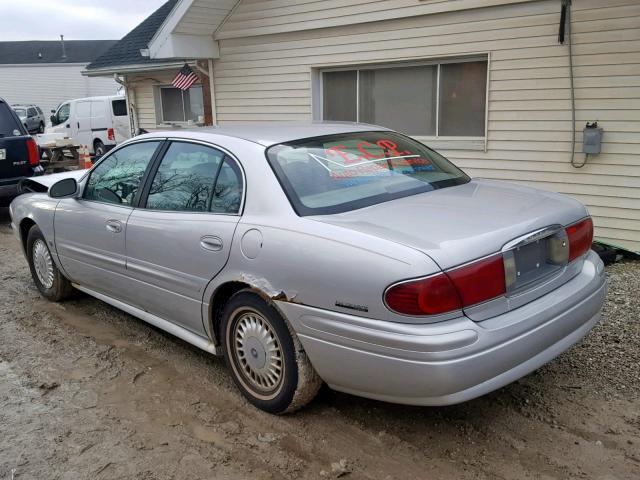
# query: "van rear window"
x,y
119,108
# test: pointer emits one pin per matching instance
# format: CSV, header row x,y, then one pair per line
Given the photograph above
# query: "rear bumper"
x,y
453,361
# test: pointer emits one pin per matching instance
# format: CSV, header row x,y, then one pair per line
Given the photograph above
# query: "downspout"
x,y
565,32
133,121
212,93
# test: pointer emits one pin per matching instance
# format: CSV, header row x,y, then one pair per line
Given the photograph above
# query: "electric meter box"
x,y
591,139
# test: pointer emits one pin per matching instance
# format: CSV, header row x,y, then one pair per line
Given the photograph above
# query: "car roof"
x,y
273,133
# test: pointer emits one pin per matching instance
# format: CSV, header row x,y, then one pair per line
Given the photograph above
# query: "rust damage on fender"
x,y
262,287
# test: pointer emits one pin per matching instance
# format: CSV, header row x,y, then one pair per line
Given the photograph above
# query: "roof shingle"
x,y
127,50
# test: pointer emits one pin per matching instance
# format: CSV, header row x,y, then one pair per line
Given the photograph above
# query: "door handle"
x,y
114,226
211,242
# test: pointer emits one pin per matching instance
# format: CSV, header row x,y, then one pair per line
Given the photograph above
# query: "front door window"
x,y
117,178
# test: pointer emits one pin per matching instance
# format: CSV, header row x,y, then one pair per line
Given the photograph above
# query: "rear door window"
x,y
196,178
9,126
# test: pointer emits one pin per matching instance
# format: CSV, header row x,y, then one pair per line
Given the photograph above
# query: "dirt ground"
x,y
89,392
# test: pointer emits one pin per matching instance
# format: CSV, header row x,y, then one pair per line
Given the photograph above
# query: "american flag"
x,y
185,78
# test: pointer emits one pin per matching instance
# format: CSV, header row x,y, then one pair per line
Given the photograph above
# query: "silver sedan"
x,y
343,253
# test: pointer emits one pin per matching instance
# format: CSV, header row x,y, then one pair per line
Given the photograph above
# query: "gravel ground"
x,y
87,391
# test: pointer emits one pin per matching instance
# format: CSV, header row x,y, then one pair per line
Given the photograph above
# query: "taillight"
x,y
460,287
110,134
34,153
427,296
479,281
580,237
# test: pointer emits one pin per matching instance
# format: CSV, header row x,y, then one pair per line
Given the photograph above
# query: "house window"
x,y
181,106
443,99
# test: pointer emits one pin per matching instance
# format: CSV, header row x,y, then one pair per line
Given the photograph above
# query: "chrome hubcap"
x,y
258,352
43,263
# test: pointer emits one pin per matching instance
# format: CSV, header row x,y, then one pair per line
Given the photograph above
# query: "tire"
x,y
99,149
249,326
48,279
41,128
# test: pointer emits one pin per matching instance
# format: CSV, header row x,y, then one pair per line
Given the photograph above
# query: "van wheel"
x,y
265,357
46,275
41,128
99,148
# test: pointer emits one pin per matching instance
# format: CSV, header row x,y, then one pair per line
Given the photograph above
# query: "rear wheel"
x,y
99,148
46,275
266,359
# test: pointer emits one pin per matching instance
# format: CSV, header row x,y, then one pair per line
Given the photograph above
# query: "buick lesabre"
x,y
340,253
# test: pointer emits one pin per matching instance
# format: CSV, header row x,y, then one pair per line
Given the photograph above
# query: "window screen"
x,y
339,100
441,100
179,106
403,99
463,88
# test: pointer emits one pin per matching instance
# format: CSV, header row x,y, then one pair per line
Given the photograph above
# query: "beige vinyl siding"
x,y
269,78
49,85
202,14
261,17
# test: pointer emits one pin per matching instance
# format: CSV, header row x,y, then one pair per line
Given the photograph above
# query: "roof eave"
x,y
134,68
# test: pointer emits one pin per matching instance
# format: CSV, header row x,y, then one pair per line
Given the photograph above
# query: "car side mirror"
x,y
66,187
53,119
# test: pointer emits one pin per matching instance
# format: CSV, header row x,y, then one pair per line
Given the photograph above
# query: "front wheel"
x,y
266,359
41,128
46,275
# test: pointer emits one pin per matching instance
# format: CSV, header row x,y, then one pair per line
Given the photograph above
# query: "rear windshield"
x,y
9,126
338,173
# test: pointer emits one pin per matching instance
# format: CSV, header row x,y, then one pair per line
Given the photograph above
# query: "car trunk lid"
x,y
458,224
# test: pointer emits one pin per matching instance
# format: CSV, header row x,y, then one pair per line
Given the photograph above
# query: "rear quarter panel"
x,y
320,266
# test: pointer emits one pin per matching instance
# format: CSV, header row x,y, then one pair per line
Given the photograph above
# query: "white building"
x,y
41,73
503,88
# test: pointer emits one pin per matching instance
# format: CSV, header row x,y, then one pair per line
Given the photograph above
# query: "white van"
x,y
98,122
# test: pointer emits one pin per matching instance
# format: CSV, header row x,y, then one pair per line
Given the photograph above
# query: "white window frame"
x,y
160,115
437,141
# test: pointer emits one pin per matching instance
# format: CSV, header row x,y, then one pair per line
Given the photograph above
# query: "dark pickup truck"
x,y
19,154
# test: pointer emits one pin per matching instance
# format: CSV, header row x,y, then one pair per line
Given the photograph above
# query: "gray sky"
x,y
75,19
